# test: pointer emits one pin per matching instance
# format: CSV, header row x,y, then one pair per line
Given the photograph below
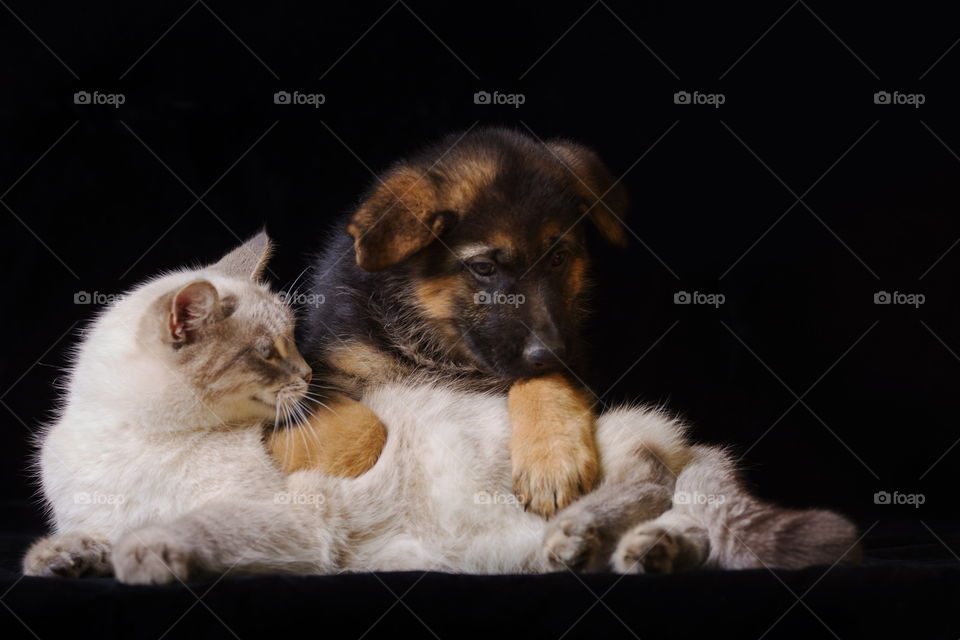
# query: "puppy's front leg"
x,y
343,438
553,447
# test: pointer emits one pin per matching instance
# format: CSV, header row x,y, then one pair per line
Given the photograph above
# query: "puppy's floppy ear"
x,y
593,180
400,217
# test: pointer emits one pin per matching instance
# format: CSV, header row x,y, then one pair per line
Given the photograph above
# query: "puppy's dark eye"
x,y
559,257
483,268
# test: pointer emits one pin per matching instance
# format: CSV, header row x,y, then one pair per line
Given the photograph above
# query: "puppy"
x,y
466,264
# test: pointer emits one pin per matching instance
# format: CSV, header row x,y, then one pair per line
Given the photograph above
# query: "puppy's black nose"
x,y
541,355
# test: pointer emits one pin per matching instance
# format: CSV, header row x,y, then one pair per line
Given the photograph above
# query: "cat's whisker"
x,y
304,420
289,428
277,421
296,420
288,450
298,278
281,425
306,445
326,406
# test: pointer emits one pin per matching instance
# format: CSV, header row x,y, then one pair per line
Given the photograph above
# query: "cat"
x,y
439,499
156,470
163,414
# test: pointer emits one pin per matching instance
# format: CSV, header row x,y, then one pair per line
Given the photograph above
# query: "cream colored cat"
x,y
164,415
156,469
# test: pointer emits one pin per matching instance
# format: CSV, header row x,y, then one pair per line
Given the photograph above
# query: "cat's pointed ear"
x,y
194,306
247,261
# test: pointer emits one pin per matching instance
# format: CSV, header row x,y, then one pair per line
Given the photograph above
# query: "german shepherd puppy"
x,y
467,263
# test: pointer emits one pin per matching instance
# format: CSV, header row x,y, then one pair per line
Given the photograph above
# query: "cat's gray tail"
x,y
746,532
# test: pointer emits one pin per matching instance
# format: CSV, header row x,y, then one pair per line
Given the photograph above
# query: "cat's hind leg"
x,y
666,544
69,555
715,521
582,536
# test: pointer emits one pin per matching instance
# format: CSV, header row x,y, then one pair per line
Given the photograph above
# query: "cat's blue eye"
x,y
269,352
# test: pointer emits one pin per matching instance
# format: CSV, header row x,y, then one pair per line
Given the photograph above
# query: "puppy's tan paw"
x,y
344,439
553,449
549,478
68,555
152,556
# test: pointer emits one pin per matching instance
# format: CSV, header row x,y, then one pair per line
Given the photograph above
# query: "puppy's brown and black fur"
x,y
467,264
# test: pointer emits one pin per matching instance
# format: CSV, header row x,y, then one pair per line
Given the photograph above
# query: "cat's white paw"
x,y
152,555
647,548
571,540
68,555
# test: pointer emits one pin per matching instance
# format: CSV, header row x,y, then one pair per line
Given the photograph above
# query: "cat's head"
x,y
230,338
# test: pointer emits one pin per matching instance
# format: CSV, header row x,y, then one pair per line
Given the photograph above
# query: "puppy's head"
x,y
491,235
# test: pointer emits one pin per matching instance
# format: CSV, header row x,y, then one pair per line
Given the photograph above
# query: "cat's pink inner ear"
x,y
193,306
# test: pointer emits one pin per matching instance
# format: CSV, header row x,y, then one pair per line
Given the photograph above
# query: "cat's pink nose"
x,y
308,376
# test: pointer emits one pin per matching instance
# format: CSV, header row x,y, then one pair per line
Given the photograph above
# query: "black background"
x,y
96,199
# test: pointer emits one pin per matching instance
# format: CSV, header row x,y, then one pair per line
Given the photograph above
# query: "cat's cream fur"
x,y
200,497
439,499
161,419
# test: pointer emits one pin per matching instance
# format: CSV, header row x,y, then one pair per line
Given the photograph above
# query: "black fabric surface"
x,y
908,586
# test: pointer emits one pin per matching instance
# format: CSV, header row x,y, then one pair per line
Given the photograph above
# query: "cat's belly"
x,y
442,487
